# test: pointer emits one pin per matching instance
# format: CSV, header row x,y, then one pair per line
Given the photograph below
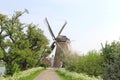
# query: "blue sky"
x,y
90,22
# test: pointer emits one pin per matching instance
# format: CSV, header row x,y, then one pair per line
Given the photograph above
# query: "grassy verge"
x,y
29,74
66,75
1,64
62,76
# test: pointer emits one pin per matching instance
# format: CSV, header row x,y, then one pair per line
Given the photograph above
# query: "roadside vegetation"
x,y
21,45
29,74
111,54
89,64
67,75
2,64
104,64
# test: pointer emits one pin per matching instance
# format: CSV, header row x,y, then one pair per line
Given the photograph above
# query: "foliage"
x,y
2,64
43,64
1,54
71,61
32,75
12,68
61,75
89,64
111,53
21,45
22,75
66,75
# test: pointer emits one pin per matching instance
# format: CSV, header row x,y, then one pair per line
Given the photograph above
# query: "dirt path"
x,y
48,74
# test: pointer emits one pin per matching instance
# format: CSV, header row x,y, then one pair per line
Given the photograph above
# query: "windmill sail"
x,y
49,28
61,42
62,28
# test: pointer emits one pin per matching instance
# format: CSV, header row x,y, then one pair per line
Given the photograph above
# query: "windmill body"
x,y
62,45
61,50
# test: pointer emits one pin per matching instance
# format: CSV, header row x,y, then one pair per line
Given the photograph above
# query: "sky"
x,y
89,22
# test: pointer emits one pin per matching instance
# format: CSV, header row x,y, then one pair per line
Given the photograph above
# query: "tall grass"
x,y
31,76
24,75
2,64
66,75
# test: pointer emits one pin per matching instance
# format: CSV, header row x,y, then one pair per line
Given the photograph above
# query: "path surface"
x,y
48,74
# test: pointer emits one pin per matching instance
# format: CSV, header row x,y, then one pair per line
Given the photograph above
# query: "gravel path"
x,y
48,74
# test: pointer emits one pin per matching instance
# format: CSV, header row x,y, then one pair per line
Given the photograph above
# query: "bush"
x,y
12,69
71,61
111,53
89,64
75,76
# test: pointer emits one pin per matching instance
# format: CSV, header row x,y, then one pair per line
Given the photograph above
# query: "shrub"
x,y
12,69
71,61
111,54
75,76
90,64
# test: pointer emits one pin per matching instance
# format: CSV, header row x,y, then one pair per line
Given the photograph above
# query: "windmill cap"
x,y
62,38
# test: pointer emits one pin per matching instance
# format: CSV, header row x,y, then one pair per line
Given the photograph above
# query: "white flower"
x,y
77,76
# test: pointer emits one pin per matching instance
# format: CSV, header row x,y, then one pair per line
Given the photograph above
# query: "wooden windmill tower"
x,y
62,44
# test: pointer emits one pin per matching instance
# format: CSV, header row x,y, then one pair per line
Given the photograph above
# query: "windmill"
x,y
61,43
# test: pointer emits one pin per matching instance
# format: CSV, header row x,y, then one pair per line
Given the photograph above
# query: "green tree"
x,y
111,54
20,44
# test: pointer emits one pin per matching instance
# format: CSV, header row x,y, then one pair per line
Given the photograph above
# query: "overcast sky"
x,y
90,22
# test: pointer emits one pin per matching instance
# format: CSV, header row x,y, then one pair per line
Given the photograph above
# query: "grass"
x,y
62,77
29,74
2,64
66,75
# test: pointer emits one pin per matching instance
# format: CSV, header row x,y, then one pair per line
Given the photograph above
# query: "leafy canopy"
x,y
21,45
